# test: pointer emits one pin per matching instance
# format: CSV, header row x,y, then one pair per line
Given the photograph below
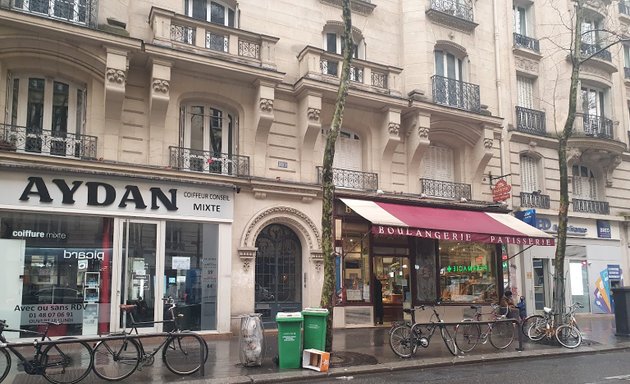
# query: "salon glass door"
x,y
140,269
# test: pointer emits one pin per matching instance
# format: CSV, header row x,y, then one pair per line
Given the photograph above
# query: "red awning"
x,y
447,224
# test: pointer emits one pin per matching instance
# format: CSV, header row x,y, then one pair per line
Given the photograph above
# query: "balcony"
x,y
534,200
596,51
325,66
593,126
185,33
455,93
81,12
345,178
457,14
591,206
209,162
445,189
522,41
45,142
530,121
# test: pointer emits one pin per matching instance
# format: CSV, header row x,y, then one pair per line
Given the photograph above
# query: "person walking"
x,y
378,300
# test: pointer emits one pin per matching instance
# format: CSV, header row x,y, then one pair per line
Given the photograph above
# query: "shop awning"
x,y
447,224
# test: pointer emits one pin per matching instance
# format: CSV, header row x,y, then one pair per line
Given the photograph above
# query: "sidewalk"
x,y
367,350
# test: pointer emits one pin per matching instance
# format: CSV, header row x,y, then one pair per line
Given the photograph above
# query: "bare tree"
x,y
328,188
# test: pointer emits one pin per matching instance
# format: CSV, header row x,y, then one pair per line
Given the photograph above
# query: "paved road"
x,y
601,368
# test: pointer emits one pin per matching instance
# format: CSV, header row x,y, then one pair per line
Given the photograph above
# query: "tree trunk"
x,y
328,188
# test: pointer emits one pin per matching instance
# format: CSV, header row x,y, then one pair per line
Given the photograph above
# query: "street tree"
x,y
328,187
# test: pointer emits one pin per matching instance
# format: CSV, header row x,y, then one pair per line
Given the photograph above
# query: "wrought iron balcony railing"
x,y
33,140
596,51
526,42
459,8
626,73
455,93
593,125
530,121
207,161
179,31
320,64
591,206
445,189
624,7
345,178
81,12
534,200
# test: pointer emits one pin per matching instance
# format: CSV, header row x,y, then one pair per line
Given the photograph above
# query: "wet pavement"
x,y
356,351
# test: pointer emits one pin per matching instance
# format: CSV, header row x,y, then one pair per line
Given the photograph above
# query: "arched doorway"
x,y
278,272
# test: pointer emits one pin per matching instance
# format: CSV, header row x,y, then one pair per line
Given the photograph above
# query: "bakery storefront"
x,y
74,246
391,256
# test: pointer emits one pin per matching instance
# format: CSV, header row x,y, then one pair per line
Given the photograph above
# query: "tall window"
x,y
208,132
584,183
71,10
448,83
525,89
438,164
593,101
212,11
520,20
333,43
448,65
626,56
529,174
49,108
348,152
590,31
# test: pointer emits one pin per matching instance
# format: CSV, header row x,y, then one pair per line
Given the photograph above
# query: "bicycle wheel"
x,y
467,336
182,353
401,341
67,363
568,336
502,334
537,330
449,340
528,321
5,363
116,359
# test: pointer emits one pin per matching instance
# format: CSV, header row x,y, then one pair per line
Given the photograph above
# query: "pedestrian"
x,y
507,305
378,300
522,308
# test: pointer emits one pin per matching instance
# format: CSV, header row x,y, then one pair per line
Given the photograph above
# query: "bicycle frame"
x,y
31,366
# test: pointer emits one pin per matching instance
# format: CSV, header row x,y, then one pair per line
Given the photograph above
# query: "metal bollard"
x,y
519,329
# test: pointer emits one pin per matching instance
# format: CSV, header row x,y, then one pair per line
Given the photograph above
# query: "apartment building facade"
x,y
165,148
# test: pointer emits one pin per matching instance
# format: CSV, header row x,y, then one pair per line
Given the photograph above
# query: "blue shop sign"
x,y
614,271
603,229
527,216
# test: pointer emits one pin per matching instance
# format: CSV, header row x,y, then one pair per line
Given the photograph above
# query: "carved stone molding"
x,y
117,76
573,154
488,143
526,65
291,217
313,114
612,165
247,256
394,128
317,257
160,86
423,132
266,105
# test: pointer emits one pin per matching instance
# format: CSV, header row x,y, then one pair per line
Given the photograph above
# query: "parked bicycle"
x,y
406,337
567,334
59,363
500,331
118,356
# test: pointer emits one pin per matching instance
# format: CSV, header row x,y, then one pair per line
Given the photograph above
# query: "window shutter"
x,y
529,174
438,164
8,102
348,154
525,92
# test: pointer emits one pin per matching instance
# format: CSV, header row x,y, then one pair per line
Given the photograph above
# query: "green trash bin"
x,y
315,328
289,339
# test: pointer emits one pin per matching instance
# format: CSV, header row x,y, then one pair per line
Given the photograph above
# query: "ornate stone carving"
x,y
313,114
423,132
488,143
526,64
573,154
160,86
285,215
394,128
317,257
117,76
247,255
266,105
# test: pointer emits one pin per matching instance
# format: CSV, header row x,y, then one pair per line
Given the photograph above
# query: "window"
x,y
72,10
449,88
529,174
208,133
626,56
356,268
348,152
590,31
448,65
520,20
333,43
438,164
52,110
593,101
468,272
212,11
525,92
584,183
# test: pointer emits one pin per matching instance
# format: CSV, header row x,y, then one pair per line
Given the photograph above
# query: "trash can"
x,y
315,328
621,296
289,339
252,340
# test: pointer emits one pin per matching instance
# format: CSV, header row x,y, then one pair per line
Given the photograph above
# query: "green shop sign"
x,y
467,268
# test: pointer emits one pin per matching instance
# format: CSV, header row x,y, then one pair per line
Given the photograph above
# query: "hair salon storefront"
x,y
419,255
74,246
